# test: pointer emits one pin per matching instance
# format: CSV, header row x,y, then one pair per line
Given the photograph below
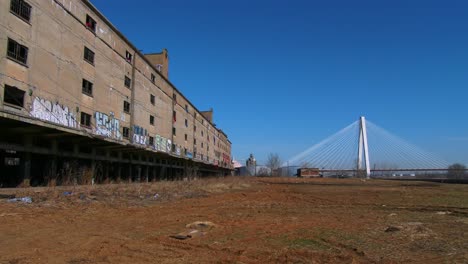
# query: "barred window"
x,y
21,9
85,119
125,132
88,55
126,107
87,87
17,51
127,82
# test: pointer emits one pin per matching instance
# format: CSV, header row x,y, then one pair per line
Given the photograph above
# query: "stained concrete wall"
x,y
56,37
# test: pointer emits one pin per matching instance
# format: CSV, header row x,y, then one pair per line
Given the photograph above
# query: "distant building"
x,y
78,98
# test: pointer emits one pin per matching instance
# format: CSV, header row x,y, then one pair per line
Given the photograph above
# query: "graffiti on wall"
x,y
107,126
161,143
55,113
169,145
140,135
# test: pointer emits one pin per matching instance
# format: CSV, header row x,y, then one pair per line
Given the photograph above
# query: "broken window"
x,y
21,9
87,87
85,119
90,23
128,56
88,55
125,132
127,82
126,107
13,96
17,52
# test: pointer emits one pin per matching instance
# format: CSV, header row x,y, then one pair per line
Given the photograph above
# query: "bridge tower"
x,y
363,148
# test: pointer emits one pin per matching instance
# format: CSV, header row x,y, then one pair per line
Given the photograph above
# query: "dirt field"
x,y
251,220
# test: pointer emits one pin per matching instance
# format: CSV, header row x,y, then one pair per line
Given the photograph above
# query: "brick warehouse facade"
x,y
79,102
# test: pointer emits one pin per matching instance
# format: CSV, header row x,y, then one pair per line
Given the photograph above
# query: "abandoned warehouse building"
x,y
80,103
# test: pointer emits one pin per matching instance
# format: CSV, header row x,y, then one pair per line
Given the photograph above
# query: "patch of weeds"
x,y
309,244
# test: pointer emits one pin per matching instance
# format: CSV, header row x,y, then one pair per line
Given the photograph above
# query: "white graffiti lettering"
x,y
55,113
107,126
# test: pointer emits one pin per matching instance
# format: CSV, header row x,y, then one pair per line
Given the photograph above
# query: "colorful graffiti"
x,y
107,126
161,144
55,113
140,135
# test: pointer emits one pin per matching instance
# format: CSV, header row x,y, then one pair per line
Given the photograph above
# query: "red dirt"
x,y
257,220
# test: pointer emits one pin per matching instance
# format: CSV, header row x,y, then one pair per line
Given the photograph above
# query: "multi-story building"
x,y
78,100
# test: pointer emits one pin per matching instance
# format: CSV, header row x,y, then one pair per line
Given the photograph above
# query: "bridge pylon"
x,y
363,147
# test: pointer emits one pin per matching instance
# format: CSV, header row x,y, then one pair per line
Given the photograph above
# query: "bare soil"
x,y
243,220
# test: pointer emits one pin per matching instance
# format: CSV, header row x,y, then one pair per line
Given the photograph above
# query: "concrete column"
x,y
27,169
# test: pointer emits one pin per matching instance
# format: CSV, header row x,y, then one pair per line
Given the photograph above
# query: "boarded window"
x,y
13,96
17,51
21,9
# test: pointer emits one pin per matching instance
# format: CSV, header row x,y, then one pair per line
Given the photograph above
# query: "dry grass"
x,y
131,194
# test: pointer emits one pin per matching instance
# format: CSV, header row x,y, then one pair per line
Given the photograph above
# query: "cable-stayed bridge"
x,y
365,148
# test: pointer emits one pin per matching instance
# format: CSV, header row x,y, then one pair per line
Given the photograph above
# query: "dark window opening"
x,y
173,131
88,55
87,87
152,99
13,96
127,82
202,145
17,51
185,137
174,116
126,107
153,78
151,141
90,23
186,123
85,119
194,128
151,120
128,56
125,132
174,97
21,9
173,147
186,108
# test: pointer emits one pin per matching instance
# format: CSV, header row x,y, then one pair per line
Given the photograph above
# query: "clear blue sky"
x,y
283,75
